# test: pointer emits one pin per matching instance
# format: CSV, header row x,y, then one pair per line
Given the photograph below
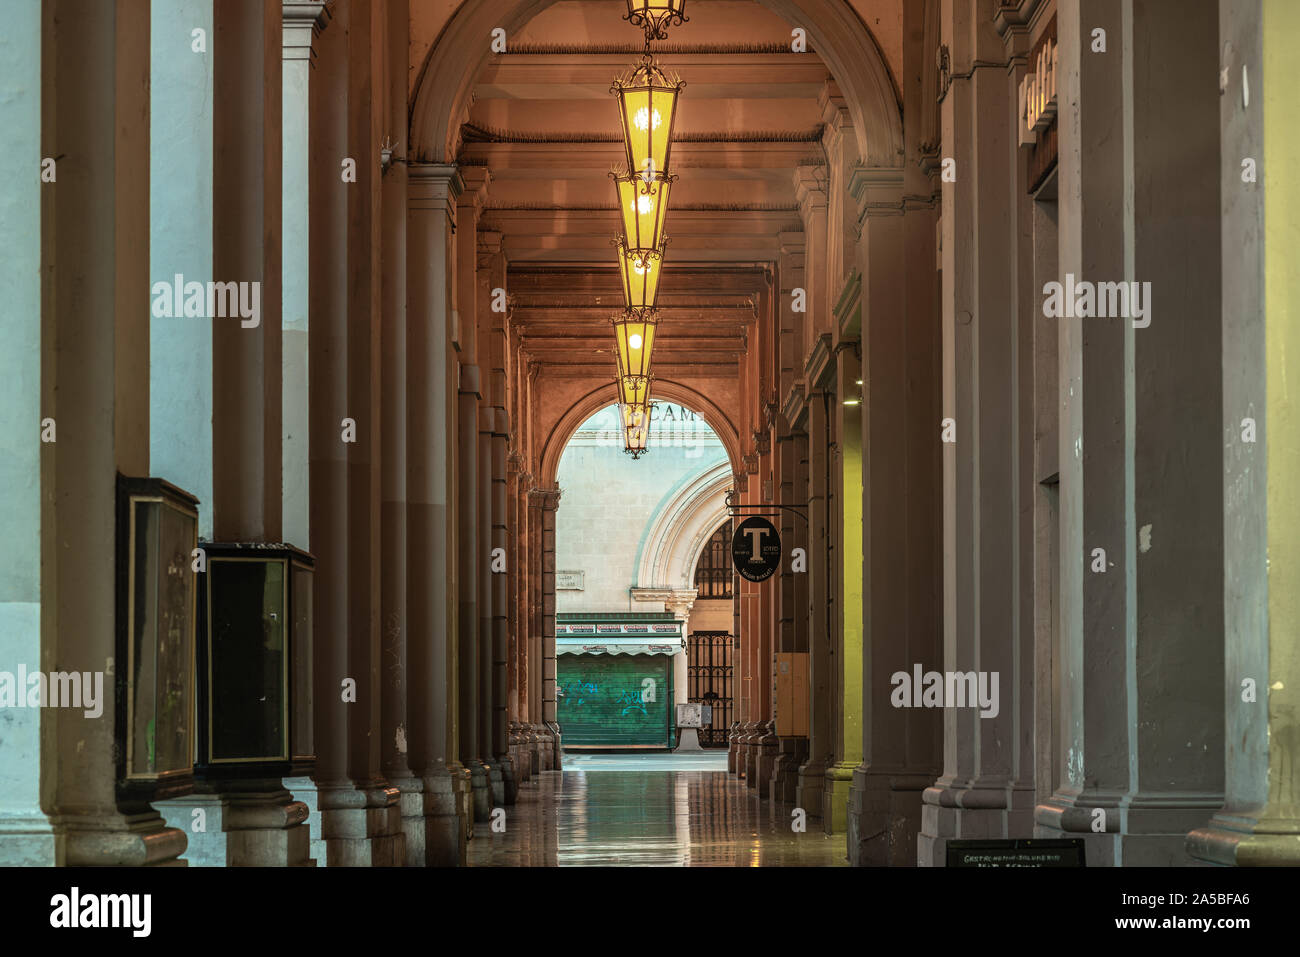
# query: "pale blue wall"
x,y
609,499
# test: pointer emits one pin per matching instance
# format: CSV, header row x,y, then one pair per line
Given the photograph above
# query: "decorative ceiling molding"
x,y
472,133
660,49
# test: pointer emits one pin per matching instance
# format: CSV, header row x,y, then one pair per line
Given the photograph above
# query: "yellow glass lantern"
x,y
656,16
639,271
643,204
647,108
636,428
634,338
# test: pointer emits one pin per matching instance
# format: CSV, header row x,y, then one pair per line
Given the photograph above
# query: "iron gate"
x,y
708,677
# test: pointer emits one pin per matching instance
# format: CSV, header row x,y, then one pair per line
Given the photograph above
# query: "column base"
x,y
462,786
557,747
411,802
765,760
134,837
967,813
1136,833
884,817
835,797
442,844
26,839
1232,840
509,779
361,826
809,788
265,826
480,783
496,782
783,784
304,790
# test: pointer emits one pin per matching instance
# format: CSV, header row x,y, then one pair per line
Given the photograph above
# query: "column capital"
x,y
810,183
434,186
301,20
547,499
878,191
477,179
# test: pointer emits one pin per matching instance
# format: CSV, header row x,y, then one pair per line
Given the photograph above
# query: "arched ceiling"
x,y
541,118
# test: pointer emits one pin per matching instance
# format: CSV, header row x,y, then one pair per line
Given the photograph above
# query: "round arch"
x,y
680,527
604,395
839,36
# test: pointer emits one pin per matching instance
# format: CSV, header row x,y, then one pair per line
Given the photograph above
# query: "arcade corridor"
x,y
867,419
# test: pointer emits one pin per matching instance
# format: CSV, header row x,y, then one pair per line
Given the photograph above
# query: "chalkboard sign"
x,y
1022,852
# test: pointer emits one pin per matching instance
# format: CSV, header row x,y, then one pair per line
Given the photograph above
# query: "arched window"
x,y
713,570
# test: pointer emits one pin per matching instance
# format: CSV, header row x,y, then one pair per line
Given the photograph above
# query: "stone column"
x,y
95,70
551,740
1141,555
847,580
431,220
263,824
471,543
337,806
180,381
1260,821
26,837
301,21
395,516
845,532
900,467
983,791
812,773
536,498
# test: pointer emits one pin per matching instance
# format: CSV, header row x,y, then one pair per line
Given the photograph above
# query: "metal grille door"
x,y
708,675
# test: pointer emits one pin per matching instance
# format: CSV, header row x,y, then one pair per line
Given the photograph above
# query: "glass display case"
x,y
157,532
254,662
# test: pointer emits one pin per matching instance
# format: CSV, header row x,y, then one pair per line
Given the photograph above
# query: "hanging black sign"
x,y
756,549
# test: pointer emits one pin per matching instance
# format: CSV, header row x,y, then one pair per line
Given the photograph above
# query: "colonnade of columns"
x,y
1076,507
366,412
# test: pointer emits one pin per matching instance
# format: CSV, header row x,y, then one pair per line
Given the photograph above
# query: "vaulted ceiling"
x,y
545,124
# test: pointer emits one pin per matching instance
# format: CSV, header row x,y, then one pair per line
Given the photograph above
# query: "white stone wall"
x,y
609,500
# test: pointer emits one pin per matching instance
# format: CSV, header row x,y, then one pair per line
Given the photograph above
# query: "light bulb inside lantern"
x,y
644,119
634,341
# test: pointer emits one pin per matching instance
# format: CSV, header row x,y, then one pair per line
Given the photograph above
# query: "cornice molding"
x,y
819,366
489,134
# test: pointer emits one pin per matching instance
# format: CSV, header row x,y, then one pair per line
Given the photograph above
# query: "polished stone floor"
x,y
649,810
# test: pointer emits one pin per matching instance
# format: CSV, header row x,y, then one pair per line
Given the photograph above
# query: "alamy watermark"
x,y
213,300
58,689
1102,300
946,689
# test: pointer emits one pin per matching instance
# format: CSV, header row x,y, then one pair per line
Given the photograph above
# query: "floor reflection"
x,y
640,816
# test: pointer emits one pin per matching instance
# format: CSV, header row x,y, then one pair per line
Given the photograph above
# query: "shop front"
x,y
614,686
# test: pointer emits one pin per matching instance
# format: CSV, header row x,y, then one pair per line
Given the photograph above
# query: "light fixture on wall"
x,y
656,16
647,109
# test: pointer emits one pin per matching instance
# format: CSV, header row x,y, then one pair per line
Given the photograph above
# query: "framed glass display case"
x,y
157,532
254,662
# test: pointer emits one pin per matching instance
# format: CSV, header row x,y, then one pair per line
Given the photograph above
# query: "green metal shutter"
x,y
601,701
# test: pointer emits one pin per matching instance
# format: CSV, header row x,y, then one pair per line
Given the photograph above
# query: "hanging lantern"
x,y
636,428
656,16
639,271
634,338
647,107
644,207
